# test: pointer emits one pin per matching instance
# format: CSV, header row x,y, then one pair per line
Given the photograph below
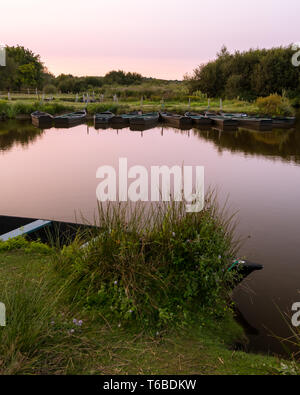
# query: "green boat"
x,y
198,119
70,119
124,118
103,117
181,121
144,119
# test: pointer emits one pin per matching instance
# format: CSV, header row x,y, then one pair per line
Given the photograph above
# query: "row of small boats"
x,y
44,119
137,118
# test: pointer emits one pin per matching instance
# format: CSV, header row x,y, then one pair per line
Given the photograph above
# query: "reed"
x,y
152,265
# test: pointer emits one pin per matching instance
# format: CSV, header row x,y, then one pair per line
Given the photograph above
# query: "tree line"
x,y
245,75
24,70
248,75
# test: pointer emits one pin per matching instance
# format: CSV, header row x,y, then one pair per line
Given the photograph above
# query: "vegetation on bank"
x,y
274,105
242,76
144,297
248,75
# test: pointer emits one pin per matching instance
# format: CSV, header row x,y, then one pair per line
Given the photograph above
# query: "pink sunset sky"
x,y
158,38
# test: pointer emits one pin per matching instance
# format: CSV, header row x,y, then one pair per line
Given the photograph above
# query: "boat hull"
x,y
70,119
260,124
283,123
225,123
41,119
103,118
181,122
144,120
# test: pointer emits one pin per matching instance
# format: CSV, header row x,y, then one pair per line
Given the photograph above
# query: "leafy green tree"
x,y
23,69
250,74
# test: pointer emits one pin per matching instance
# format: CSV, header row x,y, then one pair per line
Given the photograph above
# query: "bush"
x,y
275,105
154,267
50,88
94,108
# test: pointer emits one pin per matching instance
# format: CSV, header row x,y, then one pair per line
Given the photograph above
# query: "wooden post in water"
x,y
208,104
221,104
162,104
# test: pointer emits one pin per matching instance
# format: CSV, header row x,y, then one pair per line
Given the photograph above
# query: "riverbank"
x,y
41,337
141,297
21,108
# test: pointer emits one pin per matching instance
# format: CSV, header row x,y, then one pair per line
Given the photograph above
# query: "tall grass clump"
x,y
291,344
152,265
275,105
94,108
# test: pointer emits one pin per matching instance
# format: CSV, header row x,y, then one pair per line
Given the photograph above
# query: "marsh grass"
x,y
154,264
290,344
54,326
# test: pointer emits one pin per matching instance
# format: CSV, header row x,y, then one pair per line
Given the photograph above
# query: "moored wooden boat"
x,y
283,122
254,122
124,118
39,118
144,119
198,119
103,117
181,121
70,119
224,122
257,123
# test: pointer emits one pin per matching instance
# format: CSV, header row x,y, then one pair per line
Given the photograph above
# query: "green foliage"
x,y
50,88
20,243
248,74
122,78
275,105
94,108
24,69
154,267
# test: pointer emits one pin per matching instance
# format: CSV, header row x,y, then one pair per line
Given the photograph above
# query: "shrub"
x,y
275,105
152,267
94,108
50,88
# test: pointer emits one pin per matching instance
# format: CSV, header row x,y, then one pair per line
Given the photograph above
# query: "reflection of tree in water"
x,y
276,144
284,144
17,133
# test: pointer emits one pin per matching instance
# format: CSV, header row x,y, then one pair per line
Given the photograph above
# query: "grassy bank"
x,y
149,294
14,108
19,104
39,337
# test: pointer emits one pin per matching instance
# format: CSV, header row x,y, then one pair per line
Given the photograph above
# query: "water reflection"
x,y
278,143
14,133
52,176
284,143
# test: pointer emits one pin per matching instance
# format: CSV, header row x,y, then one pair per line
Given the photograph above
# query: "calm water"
x,y
52,174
